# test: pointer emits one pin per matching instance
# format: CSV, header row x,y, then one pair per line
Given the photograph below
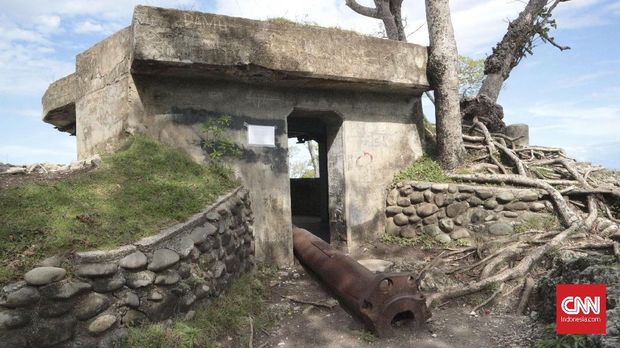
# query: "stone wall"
x,y
450,212
89,299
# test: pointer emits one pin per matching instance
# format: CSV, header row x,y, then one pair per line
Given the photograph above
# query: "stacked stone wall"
x,y
89,299
450,212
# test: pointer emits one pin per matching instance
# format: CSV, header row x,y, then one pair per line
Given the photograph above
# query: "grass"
x,y
137,191
551,340
423,169
423,240
227,318
545,222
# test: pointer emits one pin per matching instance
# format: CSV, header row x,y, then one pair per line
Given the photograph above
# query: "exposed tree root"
x,y
528,285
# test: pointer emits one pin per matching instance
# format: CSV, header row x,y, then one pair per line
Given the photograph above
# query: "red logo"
x,y
580,308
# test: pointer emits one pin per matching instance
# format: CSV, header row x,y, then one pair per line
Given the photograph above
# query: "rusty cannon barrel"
x,y
377,299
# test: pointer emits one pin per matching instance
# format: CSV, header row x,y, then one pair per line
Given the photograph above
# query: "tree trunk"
x,y
508,52
443,75
314,157
388,11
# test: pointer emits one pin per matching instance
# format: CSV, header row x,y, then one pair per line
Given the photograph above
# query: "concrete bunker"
x,y
170,71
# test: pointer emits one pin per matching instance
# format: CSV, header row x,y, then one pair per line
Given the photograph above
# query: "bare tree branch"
x,y
363,10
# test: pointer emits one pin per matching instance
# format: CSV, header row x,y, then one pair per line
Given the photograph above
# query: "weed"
x,y
215,142
545,222
424,241
551,340
280,20
423,169
397,240
369,337
226,316
137,191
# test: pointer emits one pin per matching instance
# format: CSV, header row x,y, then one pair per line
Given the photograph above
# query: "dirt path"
x,y
302,325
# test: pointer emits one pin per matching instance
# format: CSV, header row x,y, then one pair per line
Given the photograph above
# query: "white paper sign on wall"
x,y
262,135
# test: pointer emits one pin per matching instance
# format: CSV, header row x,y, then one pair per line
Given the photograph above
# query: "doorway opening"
x,y
315,171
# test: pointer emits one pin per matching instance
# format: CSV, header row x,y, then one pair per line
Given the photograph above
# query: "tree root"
x,y
528,285
488,300
524,266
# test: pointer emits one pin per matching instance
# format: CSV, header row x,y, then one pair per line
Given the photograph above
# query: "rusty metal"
x,y
377,299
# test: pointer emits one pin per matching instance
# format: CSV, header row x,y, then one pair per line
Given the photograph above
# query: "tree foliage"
x,y
471,74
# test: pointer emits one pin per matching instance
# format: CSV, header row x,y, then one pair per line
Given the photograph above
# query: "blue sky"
x,y
570,99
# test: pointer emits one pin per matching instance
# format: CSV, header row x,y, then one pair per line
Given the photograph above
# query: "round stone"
x,y
500,229
129,298
392,197
66,289
537,206
401,220
426,209
527,195
439,187
391,228
101,324
94,270
44,275
428,196
430,220
456,209
25,296
409,210
155,296
92,305
414,219
393,210
510,214
443,238
169,277
459,233
109,284
416,197
13,319
516,206
403,202
490,204
184,247
505,196
162,259
432,230
447,225
140,279
135,260
474,201
484,193
408,231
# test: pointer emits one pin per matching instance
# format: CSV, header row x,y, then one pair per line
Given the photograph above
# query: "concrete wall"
x,y
379,135
103,107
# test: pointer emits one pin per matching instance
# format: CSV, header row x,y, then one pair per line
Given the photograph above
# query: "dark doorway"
x,y
308,170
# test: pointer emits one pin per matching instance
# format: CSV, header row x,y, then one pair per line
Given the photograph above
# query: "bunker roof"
x,y
203,45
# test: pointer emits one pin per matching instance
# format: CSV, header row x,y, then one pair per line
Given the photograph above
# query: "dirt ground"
x,y
300,324
12,180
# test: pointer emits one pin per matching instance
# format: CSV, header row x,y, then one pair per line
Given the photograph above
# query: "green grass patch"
x,y
423,169
137,191
226,317
424,241
545,222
